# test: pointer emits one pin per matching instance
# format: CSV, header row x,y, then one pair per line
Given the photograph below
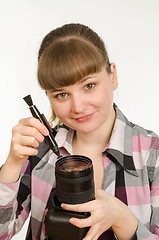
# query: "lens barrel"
x,y
74,179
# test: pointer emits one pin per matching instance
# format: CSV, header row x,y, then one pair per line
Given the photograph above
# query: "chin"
x,y
87,129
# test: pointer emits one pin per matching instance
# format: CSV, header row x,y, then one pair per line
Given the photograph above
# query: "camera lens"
x,y
74,179
74,165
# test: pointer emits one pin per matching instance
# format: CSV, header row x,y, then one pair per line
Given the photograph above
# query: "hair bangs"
x,y
66,62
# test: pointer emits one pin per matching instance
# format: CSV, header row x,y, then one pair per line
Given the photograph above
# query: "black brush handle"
x,y
50,138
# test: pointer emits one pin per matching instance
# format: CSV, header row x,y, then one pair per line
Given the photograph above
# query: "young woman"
x,y
79,80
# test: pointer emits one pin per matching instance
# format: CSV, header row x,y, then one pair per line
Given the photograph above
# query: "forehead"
x,y
85,80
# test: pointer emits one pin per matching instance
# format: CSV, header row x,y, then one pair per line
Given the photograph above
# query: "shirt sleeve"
x,y
143,233
15,203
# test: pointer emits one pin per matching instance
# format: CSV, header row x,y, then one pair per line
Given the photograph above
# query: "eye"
x,y
61,95
89,86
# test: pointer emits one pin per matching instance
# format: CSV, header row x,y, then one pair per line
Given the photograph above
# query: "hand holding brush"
x,y
26,137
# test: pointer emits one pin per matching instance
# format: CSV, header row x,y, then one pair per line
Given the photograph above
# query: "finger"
x,y
95,232
23,151
28,151
84,207
28,141
84,222
100,193
33,122
30,131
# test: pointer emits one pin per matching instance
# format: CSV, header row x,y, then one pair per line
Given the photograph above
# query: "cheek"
x,y
60,110
104,99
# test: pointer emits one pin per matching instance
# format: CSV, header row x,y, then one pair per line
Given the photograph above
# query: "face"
x,y
88,104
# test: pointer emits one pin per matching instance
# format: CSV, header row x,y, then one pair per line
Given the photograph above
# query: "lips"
x,y
84,118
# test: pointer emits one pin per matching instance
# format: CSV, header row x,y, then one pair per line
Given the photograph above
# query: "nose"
x,y
78,104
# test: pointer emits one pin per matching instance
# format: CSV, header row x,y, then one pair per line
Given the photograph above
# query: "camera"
x,y
74,185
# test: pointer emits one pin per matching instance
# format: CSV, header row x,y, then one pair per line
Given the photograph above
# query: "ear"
x,y
114,76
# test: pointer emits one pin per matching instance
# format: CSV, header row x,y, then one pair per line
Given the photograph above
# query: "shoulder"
x,y
144,133
137,131
145,147
148,138
141,138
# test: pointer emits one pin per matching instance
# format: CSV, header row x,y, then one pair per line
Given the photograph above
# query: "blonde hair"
x,y
68,54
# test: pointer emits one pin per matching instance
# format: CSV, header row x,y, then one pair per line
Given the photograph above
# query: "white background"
x,y
130,29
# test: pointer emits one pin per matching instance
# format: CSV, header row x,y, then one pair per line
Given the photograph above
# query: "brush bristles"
x,y
28,100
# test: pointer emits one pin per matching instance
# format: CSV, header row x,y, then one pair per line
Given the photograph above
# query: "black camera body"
x,y
74,185
57,225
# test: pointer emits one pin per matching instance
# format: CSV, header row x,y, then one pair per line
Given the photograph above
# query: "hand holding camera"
x,y
106,212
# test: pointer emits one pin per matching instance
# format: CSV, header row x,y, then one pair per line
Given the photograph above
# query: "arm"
x,y
15,176
153,233
14,203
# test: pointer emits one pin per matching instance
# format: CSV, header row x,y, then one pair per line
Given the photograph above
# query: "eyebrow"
x,y
81,81
87,78
57,90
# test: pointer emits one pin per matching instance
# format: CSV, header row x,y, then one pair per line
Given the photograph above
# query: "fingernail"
x,y
62,205
51,124
45,132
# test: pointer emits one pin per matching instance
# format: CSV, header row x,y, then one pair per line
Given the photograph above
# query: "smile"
x,y
85,118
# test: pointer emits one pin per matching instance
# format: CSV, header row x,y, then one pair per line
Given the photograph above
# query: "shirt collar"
x,y
64,138
120,144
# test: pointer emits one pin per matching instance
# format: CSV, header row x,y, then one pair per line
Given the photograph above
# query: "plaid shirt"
x,y
131,173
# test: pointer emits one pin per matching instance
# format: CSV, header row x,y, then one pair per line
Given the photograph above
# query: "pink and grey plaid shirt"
x,y
131,173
